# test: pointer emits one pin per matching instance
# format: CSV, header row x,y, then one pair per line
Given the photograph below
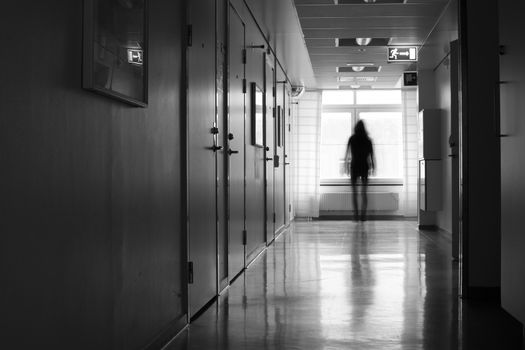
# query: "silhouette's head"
x,y
360,129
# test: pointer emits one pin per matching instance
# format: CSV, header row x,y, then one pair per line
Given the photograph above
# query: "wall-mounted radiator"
x,y
340,201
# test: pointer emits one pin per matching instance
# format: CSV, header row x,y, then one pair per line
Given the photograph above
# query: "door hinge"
x,y
243,56
244,86
190,35
274,217
244,237
190,272
273,91
290,208
289,128
289,112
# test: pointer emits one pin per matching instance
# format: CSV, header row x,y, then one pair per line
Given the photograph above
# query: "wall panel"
x,y
90,189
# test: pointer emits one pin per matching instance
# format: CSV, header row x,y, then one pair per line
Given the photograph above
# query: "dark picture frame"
x,y
257,115
279,128
115,49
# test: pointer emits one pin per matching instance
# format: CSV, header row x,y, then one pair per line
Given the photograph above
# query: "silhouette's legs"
x,y
364,197
354,198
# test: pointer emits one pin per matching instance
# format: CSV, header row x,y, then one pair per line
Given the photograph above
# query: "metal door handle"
x,y
269,158
286,163
230,152
215,148
504,135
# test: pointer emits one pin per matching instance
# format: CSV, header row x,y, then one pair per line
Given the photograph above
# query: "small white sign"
x,y
402,54
135,56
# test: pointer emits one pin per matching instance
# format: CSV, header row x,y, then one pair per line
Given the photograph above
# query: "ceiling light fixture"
x,y
360,64
358,68
355,86
369,1
363,41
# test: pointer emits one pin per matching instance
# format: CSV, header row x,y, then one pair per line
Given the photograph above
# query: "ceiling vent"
x,y
346,42
364,69
368,2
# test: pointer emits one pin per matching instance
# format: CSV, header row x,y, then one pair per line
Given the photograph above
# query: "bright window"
x,y
381,112
378,97
338,97
335,130
385,130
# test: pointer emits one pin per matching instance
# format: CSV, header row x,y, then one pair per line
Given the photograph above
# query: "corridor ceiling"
x,y
392,22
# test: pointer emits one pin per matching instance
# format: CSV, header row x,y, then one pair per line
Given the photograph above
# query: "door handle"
x,y
215,148
269,158
230,151
286,163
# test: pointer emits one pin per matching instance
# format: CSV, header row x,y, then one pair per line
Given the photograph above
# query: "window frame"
x,y
355,109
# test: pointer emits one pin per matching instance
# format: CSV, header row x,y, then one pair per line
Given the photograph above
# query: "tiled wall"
x,y
306,132
410,111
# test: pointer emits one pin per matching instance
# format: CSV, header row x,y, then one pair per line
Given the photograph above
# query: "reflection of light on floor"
x,y
336,310
367,296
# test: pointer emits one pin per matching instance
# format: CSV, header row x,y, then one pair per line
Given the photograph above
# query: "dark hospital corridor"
x,y
262,174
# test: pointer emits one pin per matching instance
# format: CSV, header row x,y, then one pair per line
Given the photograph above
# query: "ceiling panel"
x,y
323,21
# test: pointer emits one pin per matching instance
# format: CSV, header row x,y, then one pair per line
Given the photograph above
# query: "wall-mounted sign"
x,y
410,78
135,56
402,54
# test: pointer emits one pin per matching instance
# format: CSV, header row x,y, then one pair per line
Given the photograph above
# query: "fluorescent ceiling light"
x,y
360,64
363,41
355,86
358,68
366,79
369,1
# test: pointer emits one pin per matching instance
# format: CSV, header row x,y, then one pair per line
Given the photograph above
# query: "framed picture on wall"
x,y
115,53
257,110
279,121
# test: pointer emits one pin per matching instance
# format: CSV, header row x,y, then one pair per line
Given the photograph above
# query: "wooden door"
x,y
287,156
454,146
235,149
201,156
279,154
269,146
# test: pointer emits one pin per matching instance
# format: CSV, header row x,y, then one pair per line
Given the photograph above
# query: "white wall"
x,y
435,92
443,93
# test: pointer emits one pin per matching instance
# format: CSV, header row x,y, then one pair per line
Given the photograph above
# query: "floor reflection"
x,y
345,285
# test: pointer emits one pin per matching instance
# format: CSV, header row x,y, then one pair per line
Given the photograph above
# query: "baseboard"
x,y
206,306
483,293
368,217
171,331
280,231
428,227
250,258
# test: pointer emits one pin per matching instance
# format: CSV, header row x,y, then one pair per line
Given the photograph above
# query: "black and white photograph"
x,y
262,175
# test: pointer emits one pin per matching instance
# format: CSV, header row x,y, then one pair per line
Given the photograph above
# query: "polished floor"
x,y
343,285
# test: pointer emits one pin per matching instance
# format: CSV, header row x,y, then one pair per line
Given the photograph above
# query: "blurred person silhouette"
x,y
359,160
